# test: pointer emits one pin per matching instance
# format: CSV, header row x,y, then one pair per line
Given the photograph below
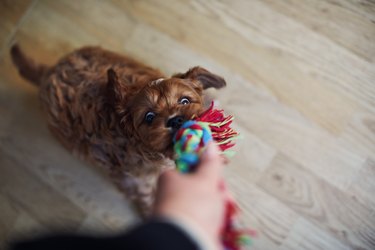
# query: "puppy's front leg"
x,y
140,191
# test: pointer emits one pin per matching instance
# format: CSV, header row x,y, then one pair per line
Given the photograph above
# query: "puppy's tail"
x,y
28,68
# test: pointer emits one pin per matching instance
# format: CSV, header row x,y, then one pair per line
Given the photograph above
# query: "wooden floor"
x,y
301,85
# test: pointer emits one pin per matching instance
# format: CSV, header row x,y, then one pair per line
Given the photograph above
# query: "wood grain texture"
x,y
301,85
319,202
11,15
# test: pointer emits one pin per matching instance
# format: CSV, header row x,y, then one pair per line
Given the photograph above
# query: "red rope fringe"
x,y
219,124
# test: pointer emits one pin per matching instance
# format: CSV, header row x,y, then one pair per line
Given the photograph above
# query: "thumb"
x,y
211,165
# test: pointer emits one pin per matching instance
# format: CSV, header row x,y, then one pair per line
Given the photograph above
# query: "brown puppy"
x,y
117,113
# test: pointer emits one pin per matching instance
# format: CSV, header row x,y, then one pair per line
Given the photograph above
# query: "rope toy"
x,y
189,144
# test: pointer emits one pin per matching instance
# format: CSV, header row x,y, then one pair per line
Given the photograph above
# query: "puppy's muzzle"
x,y
175,122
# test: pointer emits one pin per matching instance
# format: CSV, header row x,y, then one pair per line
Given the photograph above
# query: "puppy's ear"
x,y
205,77
116,87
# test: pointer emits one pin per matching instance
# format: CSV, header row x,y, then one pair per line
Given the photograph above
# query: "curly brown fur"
x,y
97,103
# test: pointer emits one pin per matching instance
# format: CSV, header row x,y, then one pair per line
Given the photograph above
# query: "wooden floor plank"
x,y
307,236
273,220
300,83
349,29
11,13
298,138
21,186
363,186
8,218
319,202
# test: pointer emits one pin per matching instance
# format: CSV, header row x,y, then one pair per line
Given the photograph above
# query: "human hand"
x,y
197,198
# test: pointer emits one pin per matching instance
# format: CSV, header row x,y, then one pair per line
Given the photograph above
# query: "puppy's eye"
x,y
184,101
149,117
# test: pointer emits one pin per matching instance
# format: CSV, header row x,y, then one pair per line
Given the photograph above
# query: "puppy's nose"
x,y
175,122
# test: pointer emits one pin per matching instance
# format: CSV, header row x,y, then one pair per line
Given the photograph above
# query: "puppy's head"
x,y
153,112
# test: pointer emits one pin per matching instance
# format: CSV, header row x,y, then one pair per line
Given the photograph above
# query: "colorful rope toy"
x,y
189,143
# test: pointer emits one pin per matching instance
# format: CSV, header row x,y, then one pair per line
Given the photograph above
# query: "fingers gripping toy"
x,y
189,143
